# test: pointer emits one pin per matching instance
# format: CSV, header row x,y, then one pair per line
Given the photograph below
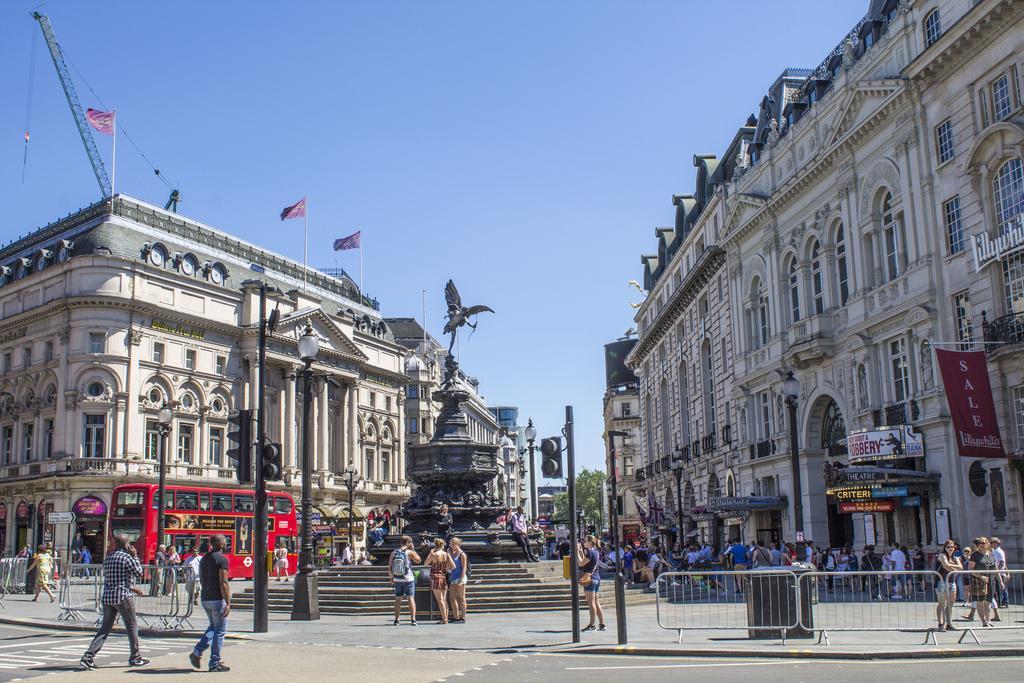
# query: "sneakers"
x,y
88,664
138,662
590,628
602,627
197,662
220,668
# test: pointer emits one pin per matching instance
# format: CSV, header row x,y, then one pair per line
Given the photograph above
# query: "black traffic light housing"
x,y
240,435
551,457
272,465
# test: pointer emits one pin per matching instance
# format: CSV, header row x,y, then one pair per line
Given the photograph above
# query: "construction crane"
x,y
76,108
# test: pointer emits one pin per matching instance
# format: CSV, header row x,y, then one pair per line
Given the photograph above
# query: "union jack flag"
x,y
655,512
640,511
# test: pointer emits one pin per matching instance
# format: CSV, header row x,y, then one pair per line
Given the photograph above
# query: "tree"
x,y
589,498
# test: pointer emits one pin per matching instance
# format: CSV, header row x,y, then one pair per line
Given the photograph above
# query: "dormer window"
x,y
812,95
157,255
869,40
217,274
188,264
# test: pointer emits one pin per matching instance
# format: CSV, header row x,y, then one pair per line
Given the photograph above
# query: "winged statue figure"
x,y
459,315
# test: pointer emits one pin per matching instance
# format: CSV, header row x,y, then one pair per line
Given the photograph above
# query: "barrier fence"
x,y
785,603
166,600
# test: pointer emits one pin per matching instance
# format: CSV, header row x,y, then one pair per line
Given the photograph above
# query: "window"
x,y
48,352
7,362
954,226
93,435
765,412
869,40
373,400
158,352
97,342
220,364
216,446
185,439
1008,191
387,403
47,438
385,466
1018,414
26,358
900,373
932,27
842,269
962,314
794,291
666,420
890,231
944,140
412,391
709,389
414,424
244,504
151,441
370,459
816,286
7,444
627,409
190,359
1002,102
221,502
186,500
26,441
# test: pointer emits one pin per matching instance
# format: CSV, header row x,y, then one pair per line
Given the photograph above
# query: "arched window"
x,y
650,426
932,27
666,420
842,269
1008,192
891,238
816,287
709,388
759,331
794,291
684,406
833,431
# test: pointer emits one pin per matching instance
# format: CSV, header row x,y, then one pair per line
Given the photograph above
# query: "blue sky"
x,y
526,149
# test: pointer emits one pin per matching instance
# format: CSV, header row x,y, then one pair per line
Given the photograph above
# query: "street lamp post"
x,y
351,481
306,603
791,388
613,513
677,469
531,436
164,418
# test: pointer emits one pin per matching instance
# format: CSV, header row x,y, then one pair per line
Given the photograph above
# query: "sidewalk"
x,y
551,632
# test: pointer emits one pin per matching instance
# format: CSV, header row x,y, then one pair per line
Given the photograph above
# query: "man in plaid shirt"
x,y
120,570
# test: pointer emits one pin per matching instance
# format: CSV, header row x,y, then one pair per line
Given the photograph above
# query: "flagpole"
x,y
362,294
114,155
305,238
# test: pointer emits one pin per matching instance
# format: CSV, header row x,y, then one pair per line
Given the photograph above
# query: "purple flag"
x,y
350,242
296,210
103,121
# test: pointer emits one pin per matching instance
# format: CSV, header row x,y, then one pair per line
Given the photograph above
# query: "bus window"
x,y
227,544
282,506
186,500
130,497
243,504
204,501
184,543
221,502
132,528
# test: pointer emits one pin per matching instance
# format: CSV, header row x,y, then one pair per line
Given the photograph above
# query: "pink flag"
x,y
103,121
296,210
350,242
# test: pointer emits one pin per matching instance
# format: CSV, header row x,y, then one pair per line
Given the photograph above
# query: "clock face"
x,y
188,267
40,264
217,275
63,254
156,257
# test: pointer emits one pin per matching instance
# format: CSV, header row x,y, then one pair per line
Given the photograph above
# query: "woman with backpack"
x,y
459,579
440,563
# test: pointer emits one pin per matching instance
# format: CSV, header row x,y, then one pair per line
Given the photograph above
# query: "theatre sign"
x,y
884,443
1009,242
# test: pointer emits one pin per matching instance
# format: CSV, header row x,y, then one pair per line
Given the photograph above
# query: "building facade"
x,y
513,460
114,311
844,212
622,413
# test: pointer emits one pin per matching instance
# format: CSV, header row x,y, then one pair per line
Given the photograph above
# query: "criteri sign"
x,y
969,394
987,250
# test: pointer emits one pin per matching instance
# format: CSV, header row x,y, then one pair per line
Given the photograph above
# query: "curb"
x,y
88,628
937,653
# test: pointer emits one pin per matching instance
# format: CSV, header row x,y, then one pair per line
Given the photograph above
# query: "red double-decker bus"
x,y
192,514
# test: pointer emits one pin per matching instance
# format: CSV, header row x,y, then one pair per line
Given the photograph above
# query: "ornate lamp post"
x,y
677,468
791,389
306,603
351,482
531,436
613,513
164,417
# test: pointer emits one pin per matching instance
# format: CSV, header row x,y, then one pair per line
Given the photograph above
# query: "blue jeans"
x,y
213,637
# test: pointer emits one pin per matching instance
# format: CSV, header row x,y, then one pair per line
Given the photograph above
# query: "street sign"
x,y
60,518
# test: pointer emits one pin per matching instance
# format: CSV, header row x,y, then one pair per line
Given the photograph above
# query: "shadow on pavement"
x,y
150,671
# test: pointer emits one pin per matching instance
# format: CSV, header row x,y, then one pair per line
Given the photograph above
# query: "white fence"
x,y
168,594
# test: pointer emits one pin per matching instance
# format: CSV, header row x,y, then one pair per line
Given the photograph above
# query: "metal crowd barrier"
x,y
80,591
12,576
782,603
165,603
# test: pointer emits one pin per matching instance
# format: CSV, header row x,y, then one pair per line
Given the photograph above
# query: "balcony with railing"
x,y
708,444
1003,331
762,449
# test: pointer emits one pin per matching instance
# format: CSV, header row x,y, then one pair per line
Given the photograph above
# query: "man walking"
x,y
519,526
120,570
216,598
402,578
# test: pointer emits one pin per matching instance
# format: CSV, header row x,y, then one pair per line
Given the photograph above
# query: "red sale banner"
x,y
965,375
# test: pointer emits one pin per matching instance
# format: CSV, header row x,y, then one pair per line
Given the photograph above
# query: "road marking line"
x,y
683,666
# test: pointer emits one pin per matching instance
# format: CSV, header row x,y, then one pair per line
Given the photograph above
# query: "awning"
x,y
341,512
746,503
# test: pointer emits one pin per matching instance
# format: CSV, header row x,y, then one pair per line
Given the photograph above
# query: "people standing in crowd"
x,y
627,564
364,558
216,599
171,572
761,556
518,525
898,565
945,591
656,564
444,523
25,552
587,563
86,559
1000,591
740,562
120,570
281,560
43,564
917,563
402,578
961,589
156,576
776,555
440,563
870,562
192,567
982,581
459,579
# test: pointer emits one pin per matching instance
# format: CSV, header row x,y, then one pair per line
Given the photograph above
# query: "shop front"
x,y
22,525
44,530
3,528
763,514
90,525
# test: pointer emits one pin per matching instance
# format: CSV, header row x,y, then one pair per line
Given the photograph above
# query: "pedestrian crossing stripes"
x,y
33,653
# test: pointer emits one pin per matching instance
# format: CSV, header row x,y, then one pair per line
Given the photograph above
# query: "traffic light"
x,y
240,435
272,469
551,457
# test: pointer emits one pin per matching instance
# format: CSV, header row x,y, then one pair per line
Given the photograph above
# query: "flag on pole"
x,y
296,210
640,511
655,512
102,121
350,242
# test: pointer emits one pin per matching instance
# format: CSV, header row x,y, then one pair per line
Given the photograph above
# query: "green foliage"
x,y
589,498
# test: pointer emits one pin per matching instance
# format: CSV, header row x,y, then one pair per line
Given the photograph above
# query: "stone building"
x,y
114,310
622,414
849,206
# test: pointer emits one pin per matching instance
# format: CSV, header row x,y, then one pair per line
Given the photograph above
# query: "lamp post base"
x,y
306,601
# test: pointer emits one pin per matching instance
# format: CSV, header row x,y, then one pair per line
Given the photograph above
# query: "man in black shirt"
x,y
216,599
